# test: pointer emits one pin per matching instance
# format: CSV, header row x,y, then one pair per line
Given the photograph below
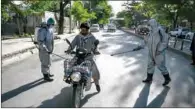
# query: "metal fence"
x,y
180,44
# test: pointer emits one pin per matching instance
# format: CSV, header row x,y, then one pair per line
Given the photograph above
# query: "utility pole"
x,y
90,10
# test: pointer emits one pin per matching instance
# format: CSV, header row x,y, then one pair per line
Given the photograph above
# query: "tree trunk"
x,y
175,21
61,20
18,24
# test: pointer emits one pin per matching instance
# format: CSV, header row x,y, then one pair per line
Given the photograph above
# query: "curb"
x,y
187,55
10,55
24,53
18,57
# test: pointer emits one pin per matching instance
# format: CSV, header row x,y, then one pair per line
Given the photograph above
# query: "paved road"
x,y
121,76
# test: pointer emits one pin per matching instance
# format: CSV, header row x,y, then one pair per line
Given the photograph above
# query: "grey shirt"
x,y
86,42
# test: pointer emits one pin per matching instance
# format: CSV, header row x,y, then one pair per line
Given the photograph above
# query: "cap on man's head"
x,y
84,25
50,21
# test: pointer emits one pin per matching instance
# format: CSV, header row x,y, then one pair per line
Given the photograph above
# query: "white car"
x,y
111,27
190,35
175,32
95,28
179,32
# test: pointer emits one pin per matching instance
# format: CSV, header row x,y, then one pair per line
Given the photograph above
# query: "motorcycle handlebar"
x,y
72,52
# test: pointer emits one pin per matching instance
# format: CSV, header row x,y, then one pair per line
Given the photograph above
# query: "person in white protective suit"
x,y
157,42
87,41
46,44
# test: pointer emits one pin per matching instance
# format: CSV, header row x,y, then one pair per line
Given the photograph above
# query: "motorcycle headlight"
x,y
76,76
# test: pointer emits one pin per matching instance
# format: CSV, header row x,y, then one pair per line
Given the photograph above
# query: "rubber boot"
x,y
47,78
148,79
98,88
51,75
192,63
167,79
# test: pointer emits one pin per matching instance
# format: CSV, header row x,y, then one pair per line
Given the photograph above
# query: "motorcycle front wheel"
x,y
76,101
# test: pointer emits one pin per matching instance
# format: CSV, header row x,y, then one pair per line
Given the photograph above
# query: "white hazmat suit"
x,y
157,42
46,44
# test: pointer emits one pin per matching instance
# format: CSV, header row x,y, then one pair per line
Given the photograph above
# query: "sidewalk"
x,y
15,47
186,43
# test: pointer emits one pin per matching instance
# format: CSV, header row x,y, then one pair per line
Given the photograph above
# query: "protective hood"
x,y
153,24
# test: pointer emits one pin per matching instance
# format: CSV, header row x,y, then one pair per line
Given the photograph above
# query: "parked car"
x,y
175,32
111,27
95,28
190,35
179,32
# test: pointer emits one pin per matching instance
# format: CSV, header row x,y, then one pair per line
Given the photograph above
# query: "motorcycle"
x,y
78,73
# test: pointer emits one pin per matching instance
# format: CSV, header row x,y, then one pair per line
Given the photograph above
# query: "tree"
x,y
24,9
170,9
167,12
103,12
10,10
145,9
121,15
80,13
187,10
63,4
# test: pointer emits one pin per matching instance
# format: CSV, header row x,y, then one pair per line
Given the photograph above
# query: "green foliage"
x,y
168,11
30,7
127,18
146,9
165,11
121,15
41,5
80,13
103,12
4,14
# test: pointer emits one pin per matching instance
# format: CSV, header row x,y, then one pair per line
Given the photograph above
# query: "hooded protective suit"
x,y
46,44
87,42
157,42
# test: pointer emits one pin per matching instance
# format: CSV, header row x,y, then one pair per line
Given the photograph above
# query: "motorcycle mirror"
x,y
68,43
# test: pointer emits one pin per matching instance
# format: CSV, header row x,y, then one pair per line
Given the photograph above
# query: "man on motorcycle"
x,y
87,41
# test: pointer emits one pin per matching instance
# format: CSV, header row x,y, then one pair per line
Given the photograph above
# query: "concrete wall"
x,y
31,22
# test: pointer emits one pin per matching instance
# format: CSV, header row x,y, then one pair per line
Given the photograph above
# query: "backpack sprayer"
x,y
36,42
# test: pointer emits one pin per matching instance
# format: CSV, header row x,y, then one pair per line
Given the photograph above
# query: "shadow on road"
x,y
87,97
113,35
159,100
8,95
62,100
142,100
